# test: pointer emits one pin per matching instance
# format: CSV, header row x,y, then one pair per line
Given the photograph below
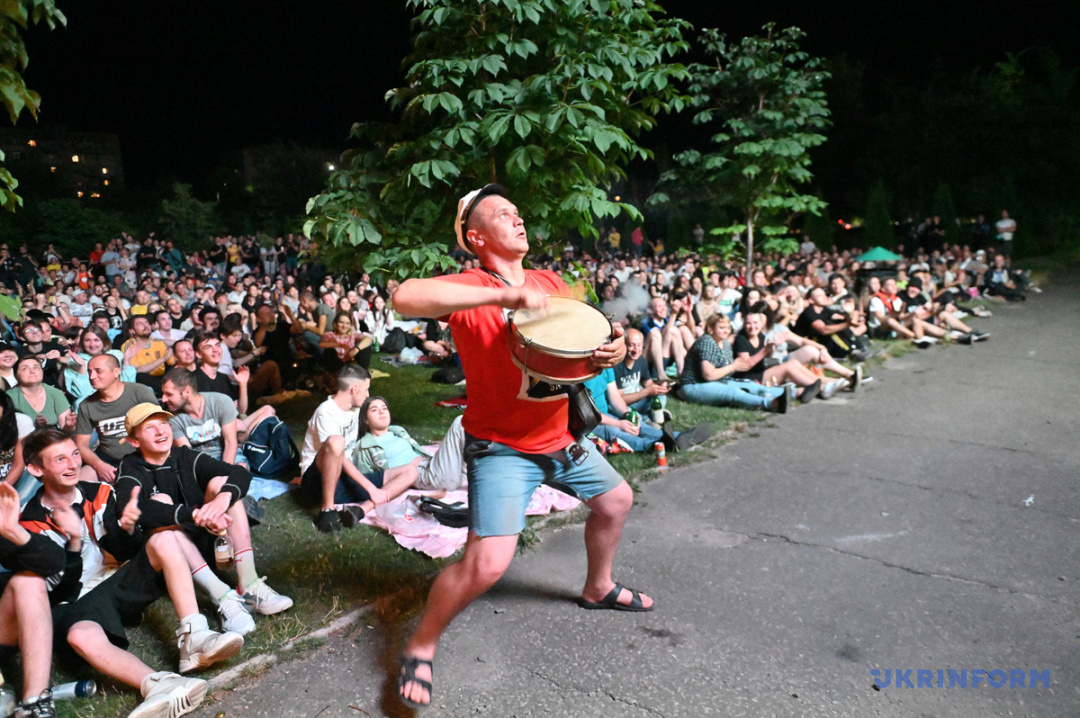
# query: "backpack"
x,y
394,342
270,449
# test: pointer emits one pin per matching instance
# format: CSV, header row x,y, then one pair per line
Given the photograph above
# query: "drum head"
x,y
569,327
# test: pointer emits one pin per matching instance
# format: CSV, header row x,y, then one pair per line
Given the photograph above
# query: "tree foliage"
x,y
187,221
546,97
878,229
765,96
15,17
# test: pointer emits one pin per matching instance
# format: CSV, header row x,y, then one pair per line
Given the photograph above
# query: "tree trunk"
x,y
749,249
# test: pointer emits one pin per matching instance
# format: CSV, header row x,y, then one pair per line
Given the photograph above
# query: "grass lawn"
x,y
330,575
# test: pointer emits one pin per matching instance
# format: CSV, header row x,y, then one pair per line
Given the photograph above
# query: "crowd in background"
x,y
217,337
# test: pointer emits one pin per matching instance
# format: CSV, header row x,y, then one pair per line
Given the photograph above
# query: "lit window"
x,y
106,183
79,193
52,169
74,158
32,143
104,170
95,194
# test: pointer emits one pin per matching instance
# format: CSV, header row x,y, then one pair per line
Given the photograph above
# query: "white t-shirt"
x,y
1005,228
329,420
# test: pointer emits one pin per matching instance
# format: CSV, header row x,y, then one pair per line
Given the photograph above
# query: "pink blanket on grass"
x,y
414,529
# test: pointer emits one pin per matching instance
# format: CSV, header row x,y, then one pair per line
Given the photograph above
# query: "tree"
x,y
15,16
879,230
187,221
945,208
767,97
546,97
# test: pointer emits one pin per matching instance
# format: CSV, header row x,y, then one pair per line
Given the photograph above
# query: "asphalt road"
x,y
884,530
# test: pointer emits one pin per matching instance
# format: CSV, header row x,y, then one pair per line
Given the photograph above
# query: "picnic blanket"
x,y
416,530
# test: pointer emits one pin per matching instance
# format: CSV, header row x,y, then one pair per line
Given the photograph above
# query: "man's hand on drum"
x,y
524,297
610,354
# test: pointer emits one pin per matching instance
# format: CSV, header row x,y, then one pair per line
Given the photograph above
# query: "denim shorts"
x,y
502,481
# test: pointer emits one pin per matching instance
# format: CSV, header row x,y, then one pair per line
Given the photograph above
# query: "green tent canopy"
x,y
878,254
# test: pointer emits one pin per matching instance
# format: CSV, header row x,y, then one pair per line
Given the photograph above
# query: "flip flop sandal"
x,y
407,675
611,602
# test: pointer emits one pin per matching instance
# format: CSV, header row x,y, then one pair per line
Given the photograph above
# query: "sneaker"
x,y
924,342
234,615
624,448
858,355
695,436
167,695
810,392
829,390
779,405
328,522
980,336
351,515
964,339
856,378
40,707
981,311
200,647
265,600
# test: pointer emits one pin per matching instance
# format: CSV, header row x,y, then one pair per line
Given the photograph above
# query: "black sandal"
x,y
407,674
611,601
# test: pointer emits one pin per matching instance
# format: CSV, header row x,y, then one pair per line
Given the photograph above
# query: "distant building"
x,y
85,164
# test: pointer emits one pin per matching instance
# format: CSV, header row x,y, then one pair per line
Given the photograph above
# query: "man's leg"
x,y
654,350
485,561
167,557
26,622
446,469
90,642
330,460
603,531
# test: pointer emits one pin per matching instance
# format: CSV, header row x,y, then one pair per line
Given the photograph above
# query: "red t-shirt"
x,y
505,405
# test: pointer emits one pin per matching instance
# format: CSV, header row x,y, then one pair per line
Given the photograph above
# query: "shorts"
x,y
347,490
502,481
115,603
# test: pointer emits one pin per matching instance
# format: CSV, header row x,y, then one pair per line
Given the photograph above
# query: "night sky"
x,y
185,84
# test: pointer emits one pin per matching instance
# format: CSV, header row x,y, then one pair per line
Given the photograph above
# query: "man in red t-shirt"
x,y
516,430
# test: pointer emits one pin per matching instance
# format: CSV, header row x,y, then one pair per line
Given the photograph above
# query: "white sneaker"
x,y
200,647
234,615
167,695
830,389
265,600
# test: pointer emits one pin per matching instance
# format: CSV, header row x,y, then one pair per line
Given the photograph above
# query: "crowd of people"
x,y
138,378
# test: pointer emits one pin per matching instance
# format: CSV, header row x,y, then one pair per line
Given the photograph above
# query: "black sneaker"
x,y
351,515
810,392
980,336
40,707
779,405
668,438
695,436
965,339
328,522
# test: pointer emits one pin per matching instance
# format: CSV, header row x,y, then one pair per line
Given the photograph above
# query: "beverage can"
x,y
661,455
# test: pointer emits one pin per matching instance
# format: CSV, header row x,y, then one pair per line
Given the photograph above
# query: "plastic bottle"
x,y
76,689
224,556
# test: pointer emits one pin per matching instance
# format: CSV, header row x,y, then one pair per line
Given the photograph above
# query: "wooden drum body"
x,y
556,346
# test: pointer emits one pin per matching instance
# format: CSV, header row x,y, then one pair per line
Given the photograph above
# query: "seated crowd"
x,y
134,379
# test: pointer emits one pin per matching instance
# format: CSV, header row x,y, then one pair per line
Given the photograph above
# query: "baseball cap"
x,y
140,413
465,207
915,282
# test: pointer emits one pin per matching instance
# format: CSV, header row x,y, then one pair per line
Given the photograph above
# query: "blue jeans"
x,y
731,392
643,442
502,480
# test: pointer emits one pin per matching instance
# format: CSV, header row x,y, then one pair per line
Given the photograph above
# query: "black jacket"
x,y
183,477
